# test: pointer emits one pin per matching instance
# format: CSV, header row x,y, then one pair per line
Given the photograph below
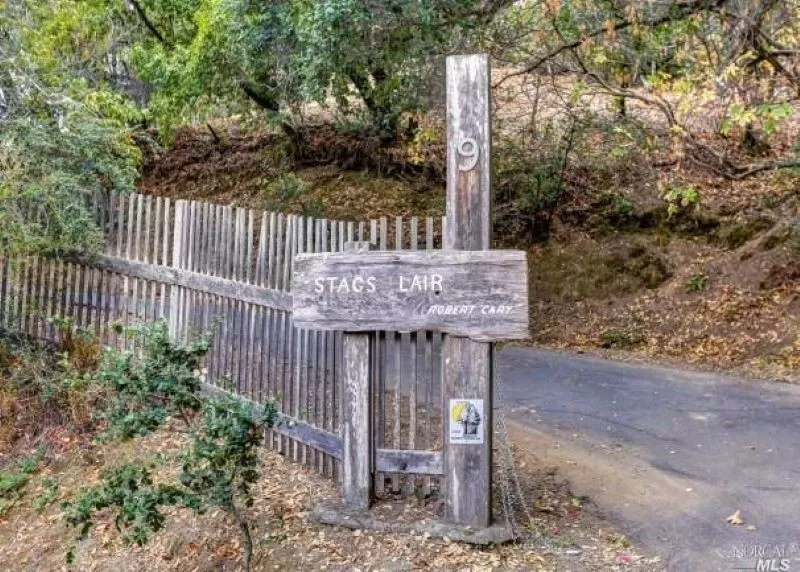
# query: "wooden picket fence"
x,y
205,266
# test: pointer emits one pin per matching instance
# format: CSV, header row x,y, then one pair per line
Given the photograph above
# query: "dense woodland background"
x,y
645,152
646,155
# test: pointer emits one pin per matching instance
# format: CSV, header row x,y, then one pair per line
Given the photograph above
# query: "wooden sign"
x,y
482,295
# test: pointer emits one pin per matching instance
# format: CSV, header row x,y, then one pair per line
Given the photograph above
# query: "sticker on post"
x,y
467,421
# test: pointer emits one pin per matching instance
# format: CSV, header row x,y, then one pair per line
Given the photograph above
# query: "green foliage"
x,y
13,482
769,116
49,495
697,283
699,66
137,499
680,198
146,392
530,187
220,462
64,130
289,193
223,453
214,57
40,388
621,339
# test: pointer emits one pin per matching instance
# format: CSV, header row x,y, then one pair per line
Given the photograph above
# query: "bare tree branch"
x,y
147,22
685,8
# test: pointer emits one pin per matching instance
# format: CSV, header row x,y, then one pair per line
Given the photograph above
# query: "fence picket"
x,y
256,345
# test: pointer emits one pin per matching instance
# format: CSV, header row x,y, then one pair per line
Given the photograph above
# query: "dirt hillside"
x,y
715,287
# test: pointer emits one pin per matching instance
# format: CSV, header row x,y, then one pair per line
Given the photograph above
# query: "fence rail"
x,y
204,266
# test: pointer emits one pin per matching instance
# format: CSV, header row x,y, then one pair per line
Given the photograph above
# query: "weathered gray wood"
x,y
482,295
156,251
177,277
357,434
469,184
312,436
405,461
291,427
168,224
466,364
174,292
297,381
491,536
357,427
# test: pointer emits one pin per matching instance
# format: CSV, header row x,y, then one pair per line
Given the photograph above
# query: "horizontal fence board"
x,y
408,461
290,427
232,289
312,436
206,266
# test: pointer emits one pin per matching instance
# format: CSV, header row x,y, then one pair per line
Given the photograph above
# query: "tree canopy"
x,y
716,82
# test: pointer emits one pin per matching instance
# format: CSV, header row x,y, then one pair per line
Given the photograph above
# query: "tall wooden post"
x,y
357,421
466,364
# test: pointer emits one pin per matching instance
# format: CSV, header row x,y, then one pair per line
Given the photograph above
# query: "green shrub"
x,y
680,198
289,193
13,482
529,190
220,463
697,283
49,494
621,339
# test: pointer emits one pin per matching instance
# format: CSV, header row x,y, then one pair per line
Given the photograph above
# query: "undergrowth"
x,y
119,395
159,388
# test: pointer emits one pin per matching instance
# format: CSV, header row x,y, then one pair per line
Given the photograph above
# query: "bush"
x,y
529,189
288,192
680,199
220,463
621,339
42,385
13,482
697,283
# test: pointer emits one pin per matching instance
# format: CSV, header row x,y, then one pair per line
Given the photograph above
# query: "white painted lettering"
x,y
358,284
436,282
371,284
319,286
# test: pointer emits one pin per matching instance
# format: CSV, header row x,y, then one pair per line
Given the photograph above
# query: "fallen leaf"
x,y
735,519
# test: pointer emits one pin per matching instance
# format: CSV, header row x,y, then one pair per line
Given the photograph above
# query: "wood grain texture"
x,y
357,427
406,461
467,364
469,191
483,295
232,271
231,289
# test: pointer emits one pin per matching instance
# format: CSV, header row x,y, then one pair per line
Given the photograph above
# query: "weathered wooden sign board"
x,y
482,295
471,293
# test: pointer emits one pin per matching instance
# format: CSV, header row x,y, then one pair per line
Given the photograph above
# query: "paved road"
x,y
667,454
